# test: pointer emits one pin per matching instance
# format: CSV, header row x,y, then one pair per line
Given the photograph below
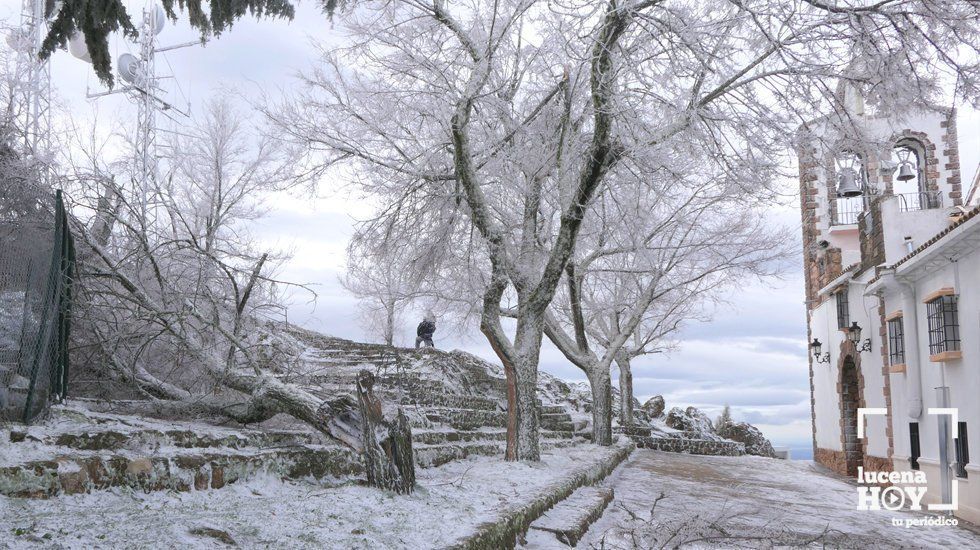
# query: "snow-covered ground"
x,y
669,500
450,502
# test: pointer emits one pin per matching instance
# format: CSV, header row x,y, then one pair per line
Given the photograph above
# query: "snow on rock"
x,y
655,406
755,442
692,422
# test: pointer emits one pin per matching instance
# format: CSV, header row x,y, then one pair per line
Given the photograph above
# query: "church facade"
x,y
891,238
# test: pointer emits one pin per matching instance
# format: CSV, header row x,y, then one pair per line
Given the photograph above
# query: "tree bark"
x,y
625,391
387,446
389,329
527,347
601,384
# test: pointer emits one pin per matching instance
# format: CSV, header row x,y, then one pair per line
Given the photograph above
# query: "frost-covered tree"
x,y
498,125
180,301
385,287
180,241
648,256
724,419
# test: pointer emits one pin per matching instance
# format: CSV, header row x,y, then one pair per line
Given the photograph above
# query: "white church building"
x,y
891,238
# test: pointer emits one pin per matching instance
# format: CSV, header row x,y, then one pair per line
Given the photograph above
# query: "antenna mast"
x,y
33,83
142,84
146,132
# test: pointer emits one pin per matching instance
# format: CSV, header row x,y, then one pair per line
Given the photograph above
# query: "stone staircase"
x,y
78,451
455,403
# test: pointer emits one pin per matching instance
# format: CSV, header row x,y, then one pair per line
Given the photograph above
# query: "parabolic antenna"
x,y
157,19
78,48
130,69
18,40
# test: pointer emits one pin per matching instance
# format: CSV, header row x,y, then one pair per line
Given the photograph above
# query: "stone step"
x,y
149,439
425,437
551,409
560,427
82,472
442,399
466,419
422,437
431,456
571,518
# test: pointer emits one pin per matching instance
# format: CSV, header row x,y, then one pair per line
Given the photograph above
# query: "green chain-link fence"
x,y
37,263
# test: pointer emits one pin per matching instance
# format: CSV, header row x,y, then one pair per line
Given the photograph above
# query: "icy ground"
x,y
745,502
449,503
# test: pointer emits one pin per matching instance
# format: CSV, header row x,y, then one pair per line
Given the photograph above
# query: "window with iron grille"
x,y
843,313
914,445
896,346
944,326
962,450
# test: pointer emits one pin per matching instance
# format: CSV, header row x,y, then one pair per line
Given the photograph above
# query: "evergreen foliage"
x,y
724,420
96,19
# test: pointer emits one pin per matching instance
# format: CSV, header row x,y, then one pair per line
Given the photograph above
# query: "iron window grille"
x,y
962,450
843,311
944,327
896,344
914,445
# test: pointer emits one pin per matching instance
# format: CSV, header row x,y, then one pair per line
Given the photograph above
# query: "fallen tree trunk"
x,y
359,424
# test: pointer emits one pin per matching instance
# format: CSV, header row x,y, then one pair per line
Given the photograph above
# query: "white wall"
x,y
921,225
823,326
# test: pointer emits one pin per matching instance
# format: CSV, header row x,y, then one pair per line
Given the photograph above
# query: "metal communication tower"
x,y
32,85
142,85
146,130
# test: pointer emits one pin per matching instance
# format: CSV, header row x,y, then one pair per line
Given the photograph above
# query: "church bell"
x,y
847,185
905,172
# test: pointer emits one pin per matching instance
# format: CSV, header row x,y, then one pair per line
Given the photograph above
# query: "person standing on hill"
x,y
425,331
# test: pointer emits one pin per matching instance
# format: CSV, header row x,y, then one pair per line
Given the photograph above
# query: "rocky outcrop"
x,y
691,431
655,406
747,434
692,422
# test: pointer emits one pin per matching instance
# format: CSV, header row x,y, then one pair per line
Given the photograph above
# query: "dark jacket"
x,y
426,329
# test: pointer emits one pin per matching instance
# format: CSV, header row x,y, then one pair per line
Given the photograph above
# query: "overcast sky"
x,y
752,356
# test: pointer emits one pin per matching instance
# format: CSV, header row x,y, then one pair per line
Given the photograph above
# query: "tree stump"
x,y
386,445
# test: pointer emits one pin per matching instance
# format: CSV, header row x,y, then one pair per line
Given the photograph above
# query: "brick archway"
x,y
931,168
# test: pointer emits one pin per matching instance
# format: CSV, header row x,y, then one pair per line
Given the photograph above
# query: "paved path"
x,y
749,502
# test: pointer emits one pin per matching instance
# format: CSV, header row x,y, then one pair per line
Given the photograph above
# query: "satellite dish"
x,y
78,48
157,19
130,69
18,40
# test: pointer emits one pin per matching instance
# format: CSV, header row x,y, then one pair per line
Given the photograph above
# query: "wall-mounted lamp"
x,y
815,346
854,335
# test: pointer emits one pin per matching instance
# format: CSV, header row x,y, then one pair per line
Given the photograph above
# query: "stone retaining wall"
x,y
514,522
691,446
